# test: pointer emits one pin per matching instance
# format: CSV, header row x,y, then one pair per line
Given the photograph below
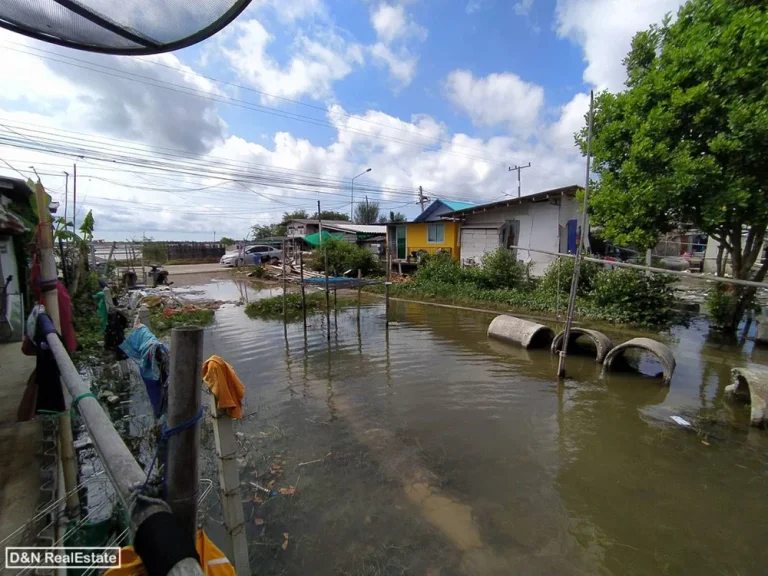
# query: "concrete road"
x,y
194,269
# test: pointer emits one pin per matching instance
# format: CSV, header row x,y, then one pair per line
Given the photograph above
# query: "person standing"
x,y
240,255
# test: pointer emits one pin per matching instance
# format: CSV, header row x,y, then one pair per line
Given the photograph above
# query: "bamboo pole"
x,y
386,287
50,294
229,481
577,264
183,406
303,292
327,297
285,295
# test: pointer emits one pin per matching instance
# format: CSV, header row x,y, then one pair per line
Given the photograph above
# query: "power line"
x,y
258,107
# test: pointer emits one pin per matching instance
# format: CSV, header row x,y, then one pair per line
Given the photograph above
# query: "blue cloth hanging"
x,y
144,347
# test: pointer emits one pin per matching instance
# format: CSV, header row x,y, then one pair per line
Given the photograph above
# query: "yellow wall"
x,y
416,237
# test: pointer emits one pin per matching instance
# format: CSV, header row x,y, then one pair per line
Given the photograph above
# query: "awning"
x,y
9,223
314,239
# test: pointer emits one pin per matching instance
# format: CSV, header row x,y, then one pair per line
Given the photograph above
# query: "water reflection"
x,y
454,454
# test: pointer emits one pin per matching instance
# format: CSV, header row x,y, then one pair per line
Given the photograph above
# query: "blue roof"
x,y
457,205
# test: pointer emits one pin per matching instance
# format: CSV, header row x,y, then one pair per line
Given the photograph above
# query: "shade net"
x,y
120,26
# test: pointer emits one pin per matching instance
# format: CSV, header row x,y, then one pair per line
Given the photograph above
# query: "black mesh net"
x,y
120,27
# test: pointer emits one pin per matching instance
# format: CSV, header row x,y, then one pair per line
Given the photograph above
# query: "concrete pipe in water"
x,y
661,351
751,384
602,343
522,332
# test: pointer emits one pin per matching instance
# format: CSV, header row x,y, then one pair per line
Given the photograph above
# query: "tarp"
x,y
314,239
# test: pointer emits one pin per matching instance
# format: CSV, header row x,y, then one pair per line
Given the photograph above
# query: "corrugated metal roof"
x,y
453,205
537,197
359,228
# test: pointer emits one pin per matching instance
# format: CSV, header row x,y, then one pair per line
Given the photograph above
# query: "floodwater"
x,y
437,451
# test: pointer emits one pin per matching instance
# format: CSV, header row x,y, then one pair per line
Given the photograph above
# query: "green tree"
x,y
397,216
268,230
367,212
331,215
227,241
295,215
685,144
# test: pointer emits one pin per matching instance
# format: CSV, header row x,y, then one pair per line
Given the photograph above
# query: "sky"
x,y
296,97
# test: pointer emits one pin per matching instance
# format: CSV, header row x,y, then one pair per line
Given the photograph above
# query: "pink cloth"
x,y
65,307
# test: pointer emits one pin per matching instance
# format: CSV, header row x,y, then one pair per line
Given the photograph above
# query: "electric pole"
x,y
66,195
74,197
518,168
422,198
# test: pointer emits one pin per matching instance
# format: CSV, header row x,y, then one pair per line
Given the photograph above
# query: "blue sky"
x,y
443,94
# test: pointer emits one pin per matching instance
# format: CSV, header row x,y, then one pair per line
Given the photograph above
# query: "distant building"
x,y
429,233
367,235
547,221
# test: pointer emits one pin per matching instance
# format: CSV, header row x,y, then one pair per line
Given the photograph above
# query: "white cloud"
x,y
523,8
496,99
392,23
604,28
315,64
290,10
402,66
395,29
571,120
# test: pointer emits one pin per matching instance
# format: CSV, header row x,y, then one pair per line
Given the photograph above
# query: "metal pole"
x,y
352,203
66,195
183,449
303,291
119,464
50,294
285,303
577,263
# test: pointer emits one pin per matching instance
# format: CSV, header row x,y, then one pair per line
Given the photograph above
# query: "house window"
x,y
436,233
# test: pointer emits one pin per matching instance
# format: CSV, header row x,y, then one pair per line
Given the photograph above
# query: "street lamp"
x,y
352,202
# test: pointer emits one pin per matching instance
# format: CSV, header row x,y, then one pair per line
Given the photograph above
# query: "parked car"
x,y
253,255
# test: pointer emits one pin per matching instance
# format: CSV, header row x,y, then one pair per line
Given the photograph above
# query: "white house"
x,y
547,221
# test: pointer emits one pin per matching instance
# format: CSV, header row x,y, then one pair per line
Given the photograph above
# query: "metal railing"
x,y
119,464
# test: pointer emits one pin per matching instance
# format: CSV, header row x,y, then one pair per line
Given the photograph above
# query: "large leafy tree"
x,y
331,215
686,145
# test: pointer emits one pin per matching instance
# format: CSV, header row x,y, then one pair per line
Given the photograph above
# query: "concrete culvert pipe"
x,y
602,343
522,332
751,385
661,351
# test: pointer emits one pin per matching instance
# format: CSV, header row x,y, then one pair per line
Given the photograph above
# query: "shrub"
x,y
441,268
721,305
563,268
155,252
629,296
502,269
343,256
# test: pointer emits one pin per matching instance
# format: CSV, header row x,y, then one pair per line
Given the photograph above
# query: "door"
x,y
401,249
571,235
510,234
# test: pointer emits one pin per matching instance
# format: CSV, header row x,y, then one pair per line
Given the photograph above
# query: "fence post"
x,y
183,448
49,276
285,295
327,296
386,286
303,292
229,481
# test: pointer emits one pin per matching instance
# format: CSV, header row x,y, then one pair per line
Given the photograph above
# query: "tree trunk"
x,y
741,266
719,260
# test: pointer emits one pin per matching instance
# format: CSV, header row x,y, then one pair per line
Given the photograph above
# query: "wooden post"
x,y
183,406
386,287
327,297
143,272
285,295
50,294
229,482
303,292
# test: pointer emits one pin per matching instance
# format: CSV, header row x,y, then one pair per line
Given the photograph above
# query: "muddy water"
x,y
444,453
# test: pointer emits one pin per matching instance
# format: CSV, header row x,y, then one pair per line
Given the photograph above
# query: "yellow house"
x,y
427,233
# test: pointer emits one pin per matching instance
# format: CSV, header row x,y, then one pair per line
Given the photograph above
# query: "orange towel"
x,y
225,385
212,560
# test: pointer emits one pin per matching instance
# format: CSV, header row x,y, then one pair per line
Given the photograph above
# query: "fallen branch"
x,y
315,461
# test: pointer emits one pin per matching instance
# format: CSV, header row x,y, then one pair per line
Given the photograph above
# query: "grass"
x,y
163,323
272,308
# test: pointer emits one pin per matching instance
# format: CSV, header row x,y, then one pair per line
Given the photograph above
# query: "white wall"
x,y
540,228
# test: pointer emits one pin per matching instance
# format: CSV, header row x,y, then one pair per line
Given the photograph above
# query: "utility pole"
x,y
518,168
319,222
577,263
66,194
74,197
422,198
352,199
